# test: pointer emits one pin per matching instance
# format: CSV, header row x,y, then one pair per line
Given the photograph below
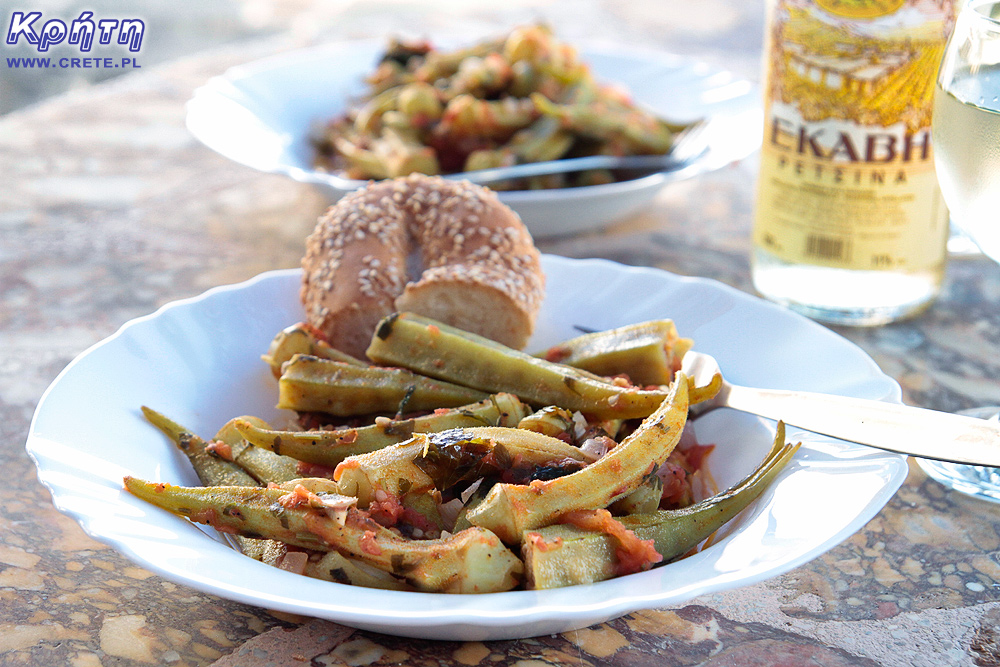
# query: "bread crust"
x,y
480,268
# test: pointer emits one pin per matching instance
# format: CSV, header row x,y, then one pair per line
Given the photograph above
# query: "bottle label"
x,y
860,9
847,174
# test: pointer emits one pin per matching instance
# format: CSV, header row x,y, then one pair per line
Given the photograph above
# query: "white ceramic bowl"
x,y
198,362
261,115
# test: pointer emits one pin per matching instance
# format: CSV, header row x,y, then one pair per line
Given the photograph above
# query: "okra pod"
x,y
472,561
602,120
551,420
332,566
366,120
440,460
468,116
649,353
210,468
361,162
329,448
545,139
439,64
450,354
317,485
403,154
264,466
424,504
510,509
646,498
420,102
563,555
302,338
390,469
311,384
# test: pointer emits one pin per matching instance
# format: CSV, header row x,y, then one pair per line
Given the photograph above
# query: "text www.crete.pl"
x,y
73,63
84,32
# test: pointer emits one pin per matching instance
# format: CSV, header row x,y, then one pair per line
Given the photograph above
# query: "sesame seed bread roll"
x,y
481,270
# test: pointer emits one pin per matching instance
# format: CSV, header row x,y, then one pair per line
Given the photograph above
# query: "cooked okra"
x,y
472,561
441,460
311,384
649,353
564,555
510,509
212,469
330,447
480,465
302,338
264,466
449,354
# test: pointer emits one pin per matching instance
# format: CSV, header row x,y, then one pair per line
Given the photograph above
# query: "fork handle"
x,y
569,165
899,428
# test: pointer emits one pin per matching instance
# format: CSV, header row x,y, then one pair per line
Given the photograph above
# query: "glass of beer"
x,y
966,137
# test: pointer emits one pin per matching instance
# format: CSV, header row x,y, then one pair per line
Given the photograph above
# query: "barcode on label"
x,y
826,247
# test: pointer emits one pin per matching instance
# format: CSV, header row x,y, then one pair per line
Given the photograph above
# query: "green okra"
x,y
564,555
332,566
390,469
551,420
330,447
311,384
427,506
646,498
366,120
440,460
510,509
471,561
361,160
444,352
420,102
267,467
302,338
601,120
402,154
545,139
474,499
556,422
442,64
649,353
211,470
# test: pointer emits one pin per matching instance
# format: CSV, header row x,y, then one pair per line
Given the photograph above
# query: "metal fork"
x,y
893,427
689,145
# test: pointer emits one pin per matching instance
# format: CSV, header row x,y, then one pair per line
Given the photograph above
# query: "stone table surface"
x,y
109,209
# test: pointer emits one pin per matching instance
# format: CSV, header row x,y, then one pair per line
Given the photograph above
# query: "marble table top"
x,y
109,208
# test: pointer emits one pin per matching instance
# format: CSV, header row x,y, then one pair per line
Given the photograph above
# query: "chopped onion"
x,y
449,512
293,561
469,491
336,505
335,501
594,448
580,425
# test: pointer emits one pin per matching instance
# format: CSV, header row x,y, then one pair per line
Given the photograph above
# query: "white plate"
x,y
261,114
198,361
